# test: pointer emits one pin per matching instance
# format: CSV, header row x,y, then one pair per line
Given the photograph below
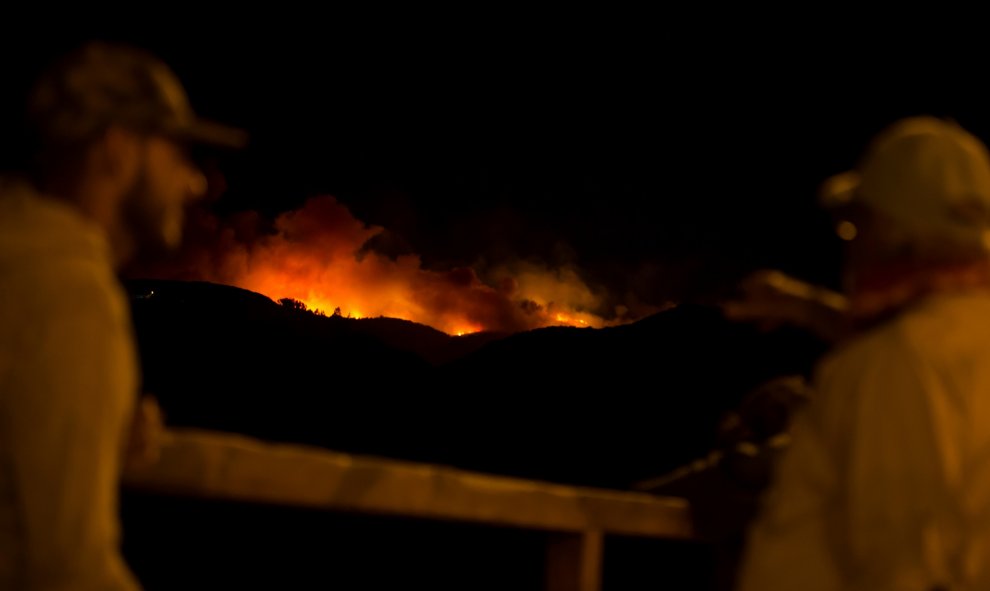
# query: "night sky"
x,y
662,159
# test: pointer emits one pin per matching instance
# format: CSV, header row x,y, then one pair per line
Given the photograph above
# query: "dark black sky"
x,y
664,157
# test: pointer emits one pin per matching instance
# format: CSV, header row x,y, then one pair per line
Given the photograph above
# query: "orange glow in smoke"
x,y
317,255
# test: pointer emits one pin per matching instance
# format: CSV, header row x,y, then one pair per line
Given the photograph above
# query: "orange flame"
x,y
315,255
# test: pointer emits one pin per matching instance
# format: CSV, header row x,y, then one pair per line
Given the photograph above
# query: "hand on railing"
x,y
147,435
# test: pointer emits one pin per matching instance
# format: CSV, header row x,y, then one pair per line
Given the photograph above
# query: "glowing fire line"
x,y
317,256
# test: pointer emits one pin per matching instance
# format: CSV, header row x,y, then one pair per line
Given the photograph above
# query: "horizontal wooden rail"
x,y
233,467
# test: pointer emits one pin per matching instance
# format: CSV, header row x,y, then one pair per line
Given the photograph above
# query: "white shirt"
x,y
68,380
887,483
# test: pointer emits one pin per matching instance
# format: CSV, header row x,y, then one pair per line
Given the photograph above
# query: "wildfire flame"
x,y
316,255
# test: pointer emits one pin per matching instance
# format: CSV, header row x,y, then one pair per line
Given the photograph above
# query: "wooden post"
x,y
574,561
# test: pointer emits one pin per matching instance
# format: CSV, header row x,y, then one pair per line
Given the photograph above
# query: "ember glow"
x,y
317,255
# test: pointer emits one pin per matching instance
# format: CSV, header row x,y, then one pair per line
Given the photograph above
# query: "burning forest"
x,y
320,255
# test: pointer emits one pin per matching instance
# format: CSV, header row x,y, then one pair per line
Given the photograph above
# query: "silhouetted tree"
x,y
292,304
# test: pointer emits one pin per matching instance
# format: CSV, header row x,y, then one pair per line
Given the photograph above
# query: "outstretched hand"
x,y
772,299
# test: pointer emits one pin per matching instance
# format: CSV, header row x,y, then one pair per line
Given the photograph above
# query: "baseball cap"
x,y
927,176
103,84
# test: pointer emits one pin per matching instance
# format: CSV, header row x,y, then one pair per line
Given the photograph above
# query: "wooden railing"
x,y
232,467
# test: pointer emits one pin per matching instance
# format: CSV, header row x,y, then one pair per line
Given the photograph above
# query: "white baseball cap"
x,y
928,177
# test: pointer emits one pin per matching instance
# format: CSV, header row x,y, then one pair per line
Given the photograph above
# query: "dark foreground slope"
x,y
602,407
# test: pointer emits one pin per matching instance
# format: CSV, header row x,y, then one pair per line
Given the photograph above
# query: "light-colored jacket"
x,y
887,483
68,382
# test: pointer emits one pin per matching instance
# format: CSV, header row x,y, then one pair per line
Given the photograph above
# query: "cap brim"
x,y
840,190
210,133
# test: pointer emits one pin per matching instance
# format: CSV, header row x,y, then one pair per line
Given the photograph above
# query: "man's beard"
x,y
148,222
